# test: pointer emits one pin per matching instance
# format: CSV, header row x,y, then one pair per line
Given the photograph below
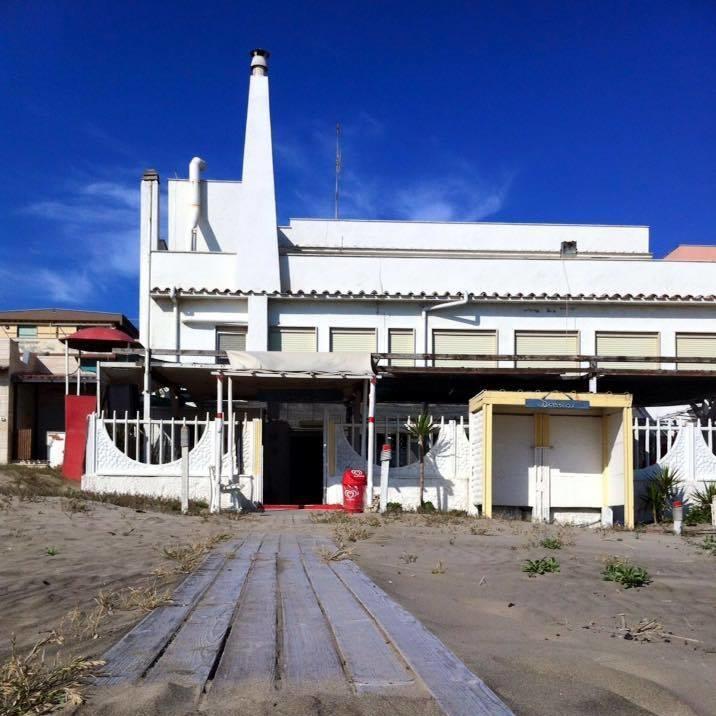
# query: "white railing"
x,y
405,448
653,439
158,441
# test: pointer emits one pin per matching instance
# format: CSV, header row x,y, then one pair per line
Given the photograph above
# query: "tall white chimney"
x,y
257,254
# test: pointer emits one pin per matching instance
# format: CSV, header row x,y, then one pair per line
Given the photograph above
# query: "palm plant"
x,y
420,431
663,488
701,501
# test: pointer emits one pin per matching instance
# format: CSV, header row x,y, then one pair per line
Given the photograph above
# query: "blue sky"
x,y
575,112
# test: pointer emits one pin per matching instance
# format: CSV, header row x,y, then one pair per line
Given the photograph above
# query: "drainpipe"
x,y
196,166
440,306
175,310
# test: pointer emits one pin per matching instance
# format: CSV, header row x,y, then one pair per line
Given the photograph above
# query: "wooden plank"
x,y
456,689
308,653
368,658
189,658
132,655
250,652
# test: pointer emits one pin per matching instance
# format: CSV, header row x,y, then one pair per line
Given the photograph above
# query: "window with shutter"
x,y
628,344
696,345
546,343
301,340
231,338
353,339
465,343
401,340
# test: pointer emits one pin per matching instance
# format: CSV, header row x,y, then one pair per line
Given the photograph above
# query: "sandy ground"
x,y
547,645
551,644
103,549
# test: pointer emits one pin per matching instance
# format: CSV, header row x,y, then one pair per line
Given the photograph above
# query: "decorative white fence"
x,y
686,446
447,463
222,457
405,447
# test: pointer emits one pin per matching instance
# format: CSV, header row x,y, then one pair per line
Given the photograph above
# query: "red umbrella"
x,y
99,339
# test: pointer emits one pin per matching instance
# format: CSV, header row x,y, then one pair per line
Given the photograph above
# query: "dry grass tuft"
x,y
189,556
332,517
31,685
146,598
349,533
334,555
439,568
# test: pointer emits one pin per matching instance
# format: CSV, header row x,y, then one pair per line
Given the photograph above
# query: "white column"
x,y
230,419
371,442
148,242
99,390
147,406
219,395
79,370
364,420
67,368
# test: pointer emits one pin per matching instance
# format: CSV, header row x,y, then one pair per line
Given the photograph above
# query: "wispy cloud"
x,y
449,189
90,242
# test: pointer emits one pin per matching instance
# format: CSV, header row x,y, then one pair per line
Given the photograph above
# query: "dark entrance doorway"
x,y
293,465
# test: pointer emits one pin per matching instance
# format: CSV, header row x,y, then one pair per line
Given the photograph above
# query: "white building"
x,y
228,278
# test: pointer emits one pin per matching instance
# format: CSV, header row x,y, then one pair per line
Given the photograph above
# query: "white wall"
x,y
494,275
512,457
575,461
219,217
455,236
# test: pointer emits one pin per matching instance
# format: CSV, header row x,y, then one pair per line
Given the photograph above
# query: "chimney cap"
x,y
150,175
259,64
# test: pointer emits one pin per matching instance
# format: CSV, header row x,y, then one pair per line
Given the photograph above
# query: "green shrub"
x,y
393,508
663,487
544,565
623,572
551,543
700,505
426,508
709,544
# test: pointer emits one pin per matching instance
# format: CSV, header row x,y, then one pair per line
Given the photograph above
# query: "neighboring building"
x,y
504,297
32,374
689,252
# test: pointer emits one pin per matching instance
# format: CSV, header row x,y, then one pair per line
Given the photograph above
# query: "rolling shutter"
x,y
301,340
353,339
546,343
401,340
628,344
465,342
696,345
231,340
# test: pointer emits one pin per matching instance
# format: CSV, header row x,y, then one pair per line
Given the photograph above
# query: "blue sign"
x,y
561,404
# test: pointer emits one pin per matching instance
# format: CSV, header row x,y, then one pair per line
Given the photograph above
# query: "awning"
x,y
99,339
295,364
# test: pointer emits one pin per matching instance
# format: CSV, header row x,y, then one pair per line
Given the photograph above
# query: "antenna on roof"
x,y
339,167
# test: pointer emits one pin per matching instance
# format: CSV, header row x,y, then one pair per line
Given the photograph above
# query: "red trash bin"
x,y
354,482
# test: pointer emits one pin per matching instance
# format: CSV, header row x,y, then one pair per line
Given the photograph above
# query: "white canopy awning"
x,y
301,365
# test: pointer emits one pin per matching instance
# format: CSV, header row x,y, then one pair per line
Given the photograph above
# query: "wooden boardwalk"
x,y
267,612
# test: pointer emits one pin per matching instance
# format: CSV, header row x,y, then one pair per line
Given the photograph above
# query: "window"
x,y
27,331
696,345
465,343
401,340
302,340
353,339
546,343
230,338
628,344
